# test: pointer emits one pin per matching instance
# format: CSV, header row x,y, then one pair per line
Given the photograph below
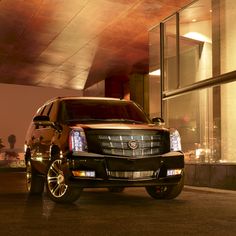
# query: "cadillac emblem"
x,y
133,144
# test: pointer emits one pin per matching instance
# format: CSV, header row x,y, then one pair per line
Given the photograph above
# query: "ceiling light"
x,y
155,72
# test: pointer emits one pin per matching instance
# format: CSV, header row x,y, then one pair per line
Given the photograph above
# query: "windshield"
x,y
101,111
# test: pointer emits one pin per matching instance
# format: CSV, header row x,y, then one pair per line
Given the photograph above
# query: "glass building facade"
x,y
193,58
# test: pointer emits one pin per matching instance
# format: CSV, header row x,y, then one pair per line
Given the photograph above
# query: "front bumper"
x,y
110,171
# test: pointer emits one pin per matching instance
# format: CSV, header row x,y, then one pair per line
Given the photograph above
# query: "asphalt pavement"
x,y
197,211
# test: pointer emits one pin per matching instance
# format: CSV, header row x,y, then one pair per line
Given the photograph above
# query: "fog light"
x,y
84,173
174,172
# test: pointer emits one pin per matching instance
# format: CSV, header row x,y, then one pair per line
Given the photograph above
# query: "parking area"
x,y
197,211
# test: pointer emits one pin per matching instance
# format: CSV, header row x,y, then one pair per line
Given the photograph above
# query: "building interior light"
x,y
155,72
197,36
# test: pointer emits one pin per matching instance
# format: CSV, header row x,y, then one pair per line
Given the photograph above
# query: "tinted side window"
x,y
53,111
47,110
40,111
62,114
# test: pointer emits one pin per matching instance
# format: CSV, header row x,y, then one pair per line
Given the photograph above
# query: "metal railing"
x,y
212,82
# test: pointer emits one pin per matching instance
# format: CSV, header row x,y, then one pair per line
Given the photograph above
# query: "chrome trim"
x,y
133,144
120,144
131,174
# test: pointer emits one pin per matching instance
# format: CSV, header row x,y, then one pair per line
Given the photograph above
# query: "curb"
x,y
208,190
10,169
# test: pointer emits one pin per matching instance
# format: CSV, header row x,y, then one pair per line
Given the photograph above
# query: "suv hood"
x,y
120,126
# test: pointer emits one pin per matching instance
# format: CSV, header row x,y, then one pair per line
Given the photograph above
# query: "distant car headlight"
x,y
175,140
77,140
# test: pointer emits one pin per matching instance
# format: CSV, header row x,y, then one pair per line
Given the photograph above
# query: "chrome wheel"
x,y
34,181
58,185
56,179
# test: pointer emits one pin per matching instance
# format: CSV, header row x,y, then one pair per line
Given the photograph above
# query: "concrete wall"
x,y
211,175
96,90
19,103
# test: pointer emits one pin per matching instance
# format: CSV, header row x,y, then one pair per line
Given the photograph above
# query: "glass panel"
x,y
228,124
228,63
154,50
195,43
170,55
204,118
154,73
191,115
228,35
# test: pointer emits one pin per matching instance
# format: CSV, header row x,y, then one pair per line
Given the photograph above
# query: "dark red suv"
x,y
76,142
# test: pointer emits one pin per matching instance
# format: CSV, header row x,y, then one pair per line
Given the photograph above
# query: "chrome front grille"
x,y
131,174
142,145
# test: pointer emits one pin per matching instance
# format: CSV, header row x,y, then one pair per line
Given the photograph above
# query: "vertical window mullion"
x,y
162,44
177,50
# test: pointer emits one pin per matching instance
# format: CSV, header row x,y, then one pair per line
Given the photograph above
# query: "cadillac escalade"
x,y
75,142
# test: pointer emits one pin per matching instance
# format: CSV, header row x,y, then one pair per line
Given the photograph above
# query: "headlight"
x,y
175,140
172,172
77,140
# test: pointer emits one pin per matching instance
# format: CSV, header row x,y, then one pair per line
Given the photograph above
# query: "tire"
x,y
116,189
34,182
58,187
165,192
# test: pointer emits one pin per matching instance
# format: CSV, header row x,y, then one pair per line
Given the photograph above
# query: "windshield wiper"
x,y
126,121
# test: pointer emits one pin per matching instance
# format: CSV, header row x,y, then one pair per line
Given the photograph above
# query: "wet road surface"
x,y
197,211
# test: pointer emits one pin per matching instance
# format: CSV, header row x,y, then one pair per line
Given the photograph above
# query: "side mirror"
x,y
158,121
41,119
45,121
